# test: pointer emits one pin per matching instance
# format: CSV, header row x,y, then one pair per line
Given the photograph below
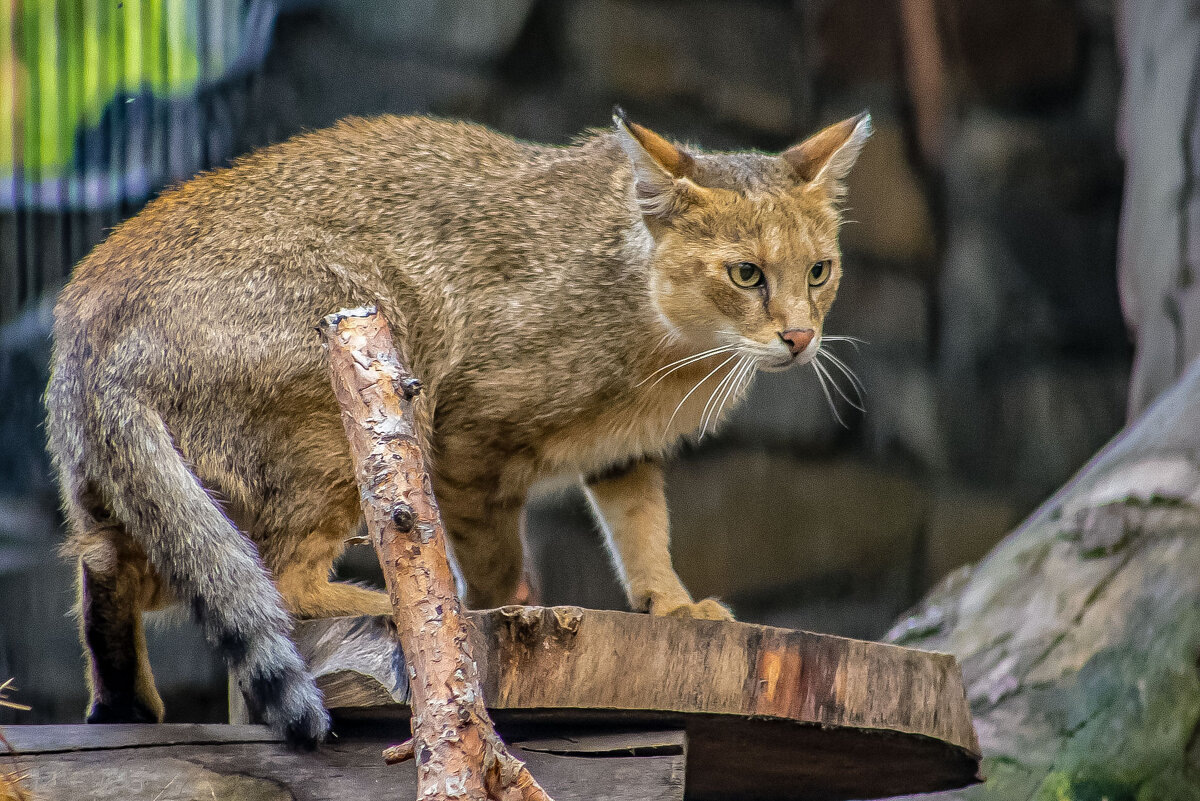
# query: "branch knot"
x,y
404,517
410,387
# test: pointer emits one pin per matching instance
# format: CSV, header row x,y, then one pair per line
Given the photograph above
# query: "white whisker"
x,y
693,389
828,397
841,365
686,360
713,415
710,404
853,342
825,370
746,372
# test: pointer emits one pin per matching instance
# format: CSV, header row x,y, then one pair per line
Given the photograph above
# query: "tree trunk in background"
x,y
1159,256
1079,635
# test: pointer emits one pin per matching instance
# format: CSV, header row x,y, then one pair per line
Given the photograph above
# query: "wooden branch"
x,y
458,753
925,74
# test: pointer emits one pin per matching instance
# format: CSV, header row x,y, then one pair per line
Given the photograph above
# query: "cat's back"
x,y
260,223
345,177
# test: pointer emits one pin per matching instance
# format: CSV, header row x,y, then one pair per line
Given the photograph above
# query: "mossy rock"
x,y
1079,635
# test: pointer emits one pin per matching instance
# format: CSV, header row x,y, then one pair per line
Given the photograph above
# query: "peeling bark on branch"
x,y
458,753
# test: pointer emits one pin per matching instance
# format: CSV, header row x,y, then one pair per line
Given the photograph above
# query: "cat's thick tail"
x,y
126,458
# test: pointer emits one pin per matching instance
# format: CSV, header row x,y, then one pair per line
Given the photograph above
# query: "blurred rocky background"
x,y
980,269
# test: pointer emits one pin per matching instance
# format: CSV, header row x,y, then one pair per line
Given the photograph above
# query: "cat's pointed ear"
x,y
825,158
662,172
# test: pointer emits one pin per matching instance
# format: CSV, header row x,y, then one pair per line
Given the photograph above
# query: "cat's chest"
x,y
648,419
572,431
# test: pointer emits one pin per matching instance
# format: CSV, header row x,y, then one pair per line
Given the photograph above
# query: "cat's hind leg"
x,y
308,593
486,537
302,563
115,585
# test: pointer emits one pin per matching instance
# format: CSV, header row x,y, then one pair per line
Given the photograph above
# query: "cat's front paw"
x,y
708,609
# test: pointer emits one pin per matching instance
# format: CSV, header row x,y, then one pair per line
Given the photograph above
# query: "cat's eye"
x,y
819,273
746,274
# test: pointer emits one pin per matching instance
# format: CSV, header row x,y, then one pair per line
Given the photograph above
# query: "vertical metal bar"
x,y
203,98
59,263
10,143
93,88
33,133
163,96
47,253
191,140
120,164
75,102
132,129
143,70
112,64
178,147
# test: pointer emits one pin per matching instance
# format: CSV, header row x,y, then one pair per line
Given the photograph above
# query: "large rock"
x,y
1030,260
1079,635
1031,352
463,31
1042,55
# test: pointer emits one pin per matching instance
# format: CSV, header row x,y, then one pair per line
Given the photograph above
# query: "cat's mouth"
x,y
777,363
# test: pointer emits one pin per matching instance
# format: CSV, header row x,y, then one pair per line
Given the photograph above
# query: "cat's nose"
x,y
797,338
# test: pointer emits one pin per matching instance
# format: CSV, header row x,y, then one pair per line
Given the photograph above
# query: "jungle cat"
x,y
569,310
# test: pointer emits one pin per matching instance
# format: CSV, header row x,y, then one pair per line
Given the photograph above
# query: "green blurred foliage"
x,y
63,61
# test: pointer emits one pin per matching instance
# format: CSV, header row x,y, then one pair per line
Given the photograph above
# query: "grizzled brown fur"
x,y
538,292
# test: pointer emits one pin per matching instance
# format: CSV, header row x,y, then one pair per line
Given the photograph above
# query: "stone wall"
x,y
980,273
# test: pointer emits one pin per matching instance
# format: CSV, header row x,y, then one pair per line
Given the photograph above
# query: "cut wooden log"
x,y
1079,634
770,713
184,762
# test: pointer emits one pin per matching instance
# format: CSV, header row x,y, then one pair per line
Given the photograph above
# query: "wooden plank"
x,y
52,739
769,712
643,743
247,763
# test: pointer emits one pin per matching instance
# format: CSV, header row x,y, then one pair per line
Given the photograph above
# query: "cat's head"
x,y
745,244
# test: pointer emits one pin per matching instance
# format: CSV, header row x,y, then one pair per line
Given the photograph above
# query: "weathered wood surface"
x,y
247,763
1079,635
770,713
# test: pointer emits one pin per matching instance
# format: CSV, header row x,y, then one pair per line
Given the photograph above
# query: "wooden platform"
x,y
603,706
767,712
185,762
